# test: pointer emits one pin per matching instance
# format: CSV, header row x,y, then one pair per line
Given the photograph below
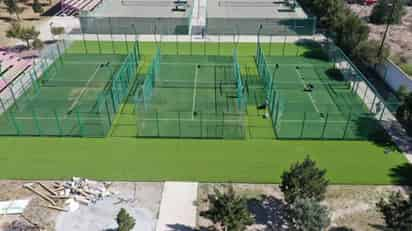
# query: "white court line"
x,y
310,95
76,101
194,92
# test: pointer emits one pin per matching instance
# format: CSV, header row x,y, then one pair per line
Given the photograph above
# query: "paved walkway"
x,y
177,208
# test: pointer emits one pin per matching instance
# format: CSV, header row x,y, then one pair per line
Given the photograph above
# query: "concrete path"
x,y
177,208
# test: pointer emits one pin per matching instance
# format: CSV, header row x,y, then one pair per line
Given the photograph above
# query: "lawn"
x,y
257,161
254,160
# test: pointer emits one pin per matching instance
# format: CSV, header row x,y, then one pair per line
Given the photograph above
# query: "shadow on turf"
x,y
313,50
402,174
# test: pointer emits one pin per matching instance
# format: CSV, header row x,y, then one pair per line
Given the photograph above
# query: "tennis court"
x,y
75,94
312,99
192,96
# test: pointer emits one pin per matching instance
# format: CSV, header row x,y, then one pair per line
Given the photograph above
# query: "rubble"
x,y
67,196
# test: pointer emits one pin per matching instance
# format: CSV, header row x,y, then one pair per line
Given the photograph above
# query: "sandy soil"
x,y
34,214
399,37
141,200
350,206
29,18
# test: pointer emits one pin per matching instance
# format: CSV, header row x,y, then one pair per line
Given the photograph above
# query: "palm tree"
x,y
13,8
26,34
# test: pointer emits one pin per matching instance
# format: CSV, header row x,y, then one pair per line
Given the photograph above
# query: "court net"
x,y
196,100
66,98
320,100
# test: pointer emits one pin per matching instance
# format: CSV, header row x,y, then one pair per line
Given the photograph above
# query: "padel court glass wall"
x,y
73,92
138,17
320,96
192,96
262,26
133,25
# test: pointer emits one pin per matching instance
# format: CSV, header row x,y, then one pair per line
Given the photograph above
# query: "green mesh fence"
x,y
241,97
321,96
71,94
191,97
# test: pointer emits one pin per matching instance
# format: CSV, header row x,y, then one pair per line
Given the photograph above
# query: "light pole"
x,y
388,22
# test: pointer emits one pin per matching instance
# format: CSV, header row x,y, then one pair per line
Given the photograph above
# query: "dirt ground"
x,y
399,37
141,200
350,206
34,214
29,18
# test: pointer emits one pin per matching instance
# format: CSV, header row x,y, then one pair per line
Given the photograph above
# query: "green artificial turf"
x,y
258,159
254,161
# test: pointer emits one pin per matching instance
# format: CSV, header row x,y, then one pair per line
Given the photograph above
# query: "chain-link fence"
x,y
320,96
69,92
192,97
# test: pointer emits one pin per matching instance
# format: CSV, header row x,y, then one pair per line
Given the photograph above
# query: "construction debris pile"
x,y
66,196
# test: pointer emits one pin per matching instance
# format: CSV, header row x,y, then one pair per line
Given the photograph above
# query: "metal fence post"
x,y
303,125
284,45
373,103
270,44
79,123
36,121
204,46
109,116
84,44
191,45
201,124
157,124
347,125
127,45
58,123
14,121
177,44
2,105
324,125
13,96
223,124
179,124
218,44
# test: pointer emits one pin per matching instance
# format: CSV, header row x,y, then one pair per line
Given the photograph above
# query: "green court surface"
x,y
257,159
65,99
192,97
312,99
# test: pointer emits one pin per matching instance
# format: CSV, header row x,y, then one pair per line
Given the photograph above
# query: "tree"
x,y
307,215
329,12
56,31
228,210
404,112
125,222
381,14
402,93
396,211
304,180
13,8
367,50
37,7
26,34
37,44
351,32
